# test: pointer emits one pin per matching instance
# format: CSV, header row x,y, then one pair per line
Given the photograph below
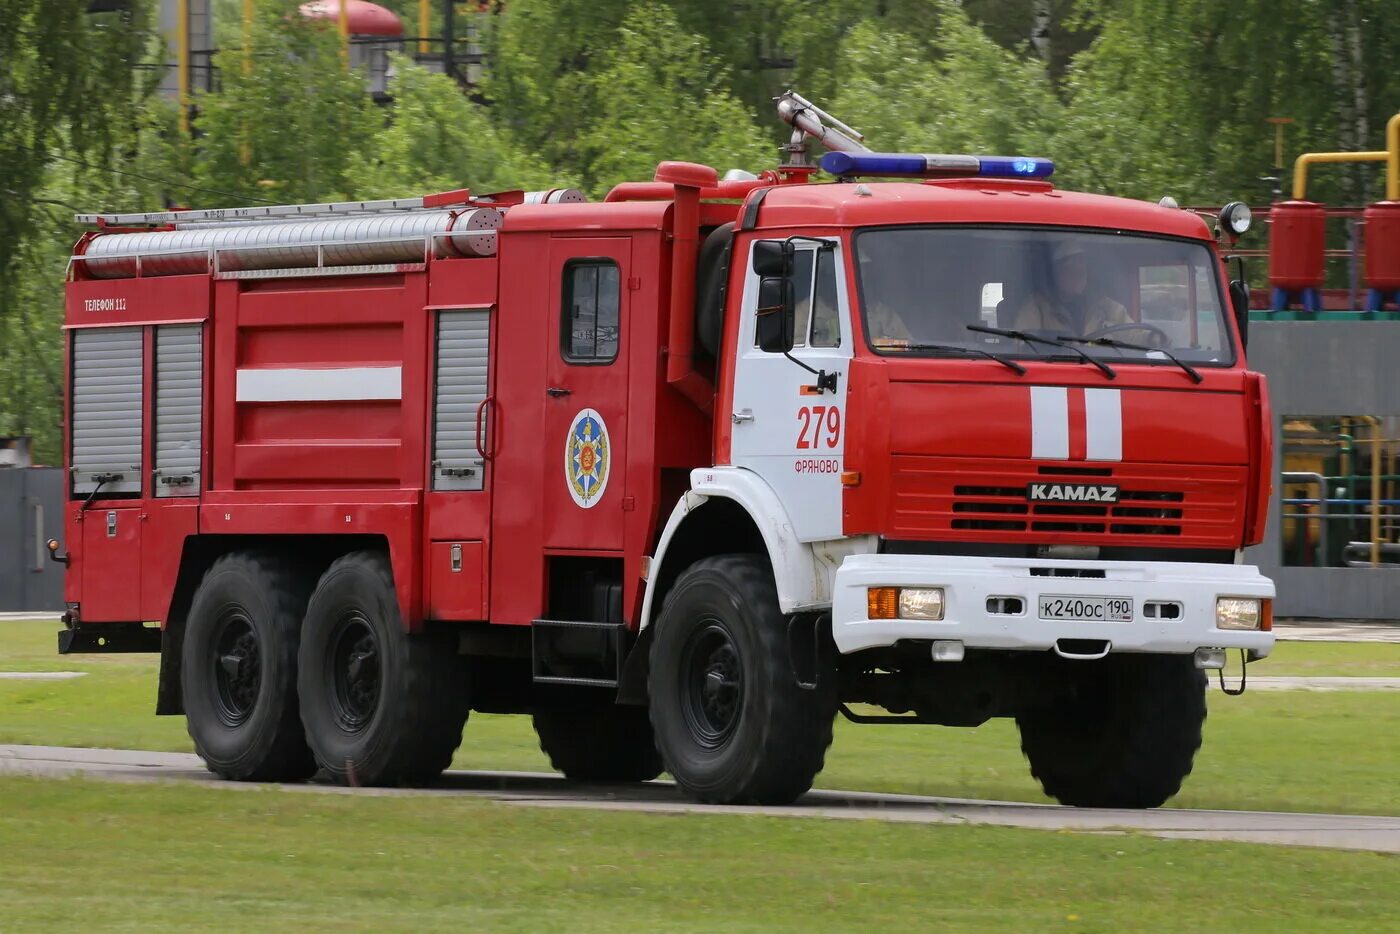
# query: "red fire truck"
x,y
682,474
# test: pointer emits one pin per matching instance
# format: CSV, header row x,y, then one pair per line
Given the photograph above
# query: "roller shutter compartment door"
x,y
106,421
179,389
459,391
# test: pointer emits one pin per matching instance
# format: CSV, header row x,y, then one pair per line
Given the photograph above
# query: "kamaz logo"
x,y
1071,493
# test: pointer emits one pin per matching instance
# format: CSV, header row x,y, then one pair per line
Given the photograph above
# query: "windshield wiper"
x,y
975,351
1030,338
1129,345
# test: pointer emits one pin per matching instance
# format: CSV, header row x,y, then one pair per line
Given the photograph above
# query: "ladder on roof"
x,y
285,212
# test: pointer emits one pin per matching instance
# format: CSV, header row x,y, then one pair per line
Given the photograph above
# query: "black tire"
x,y
380,706
731,722
239,670
1125,738
598,741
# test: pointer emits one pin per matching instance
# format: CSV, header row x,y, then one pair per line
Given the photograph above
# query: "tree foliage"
x,y
434,138
1130,97
292,126
660,95
68,99
967,95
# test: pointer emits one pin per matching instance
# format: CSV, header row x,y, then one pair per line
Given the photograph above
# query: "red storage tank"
x,y
1383,246
1296,240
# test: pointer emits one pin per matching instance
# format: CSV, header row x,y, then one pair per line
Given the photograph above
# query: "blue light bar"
x,y
918,165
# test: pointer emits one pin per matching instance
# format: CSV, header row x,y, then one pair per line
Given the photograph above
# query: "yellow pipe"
x,y
1392,174
423,26
1300,167
1375,440
182,68
344,25
247,37
245,150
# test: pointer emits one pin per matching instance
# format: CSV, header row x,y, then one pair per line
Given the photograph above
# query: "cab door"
x,y
584,441
786,428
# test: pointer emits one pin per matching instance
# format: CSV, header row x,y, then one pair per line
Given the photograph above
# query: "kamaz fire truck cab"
x,y
682,474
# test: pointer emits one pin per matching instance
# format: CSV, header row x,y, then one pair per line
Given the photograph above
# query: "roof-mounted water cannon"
x,y
807,119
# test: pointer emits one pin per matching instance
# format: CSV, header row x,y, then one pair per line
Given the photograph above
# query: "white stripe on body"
x,y
338,384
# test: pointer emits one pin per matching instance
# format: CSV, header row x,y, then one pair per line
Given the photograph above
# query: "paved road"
x,y
533,789
1315,630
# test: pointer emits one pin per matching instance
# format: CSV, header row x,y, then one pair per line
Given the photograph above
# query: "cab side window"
x,y
826,323
817,322
589,329
802,295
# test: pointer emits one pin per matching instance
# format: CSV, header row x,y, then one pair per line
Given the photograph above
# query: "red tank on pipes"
x,y
1296,239
1383,246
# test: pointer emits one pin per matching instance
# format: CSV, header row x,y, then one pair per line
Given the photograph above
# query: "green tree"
x,y
68,99
659,95
435,139
294,125
954,90
1172,97
66,83
31,336
541,57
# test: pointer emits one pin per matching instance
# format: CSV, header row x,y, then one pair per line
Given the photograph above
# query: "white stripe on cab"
x,y
1103,416
1049,422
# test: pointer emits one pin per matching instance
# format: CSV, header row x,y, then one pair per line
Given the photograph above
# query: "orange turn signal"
x,y
882,602
850,478
1266,616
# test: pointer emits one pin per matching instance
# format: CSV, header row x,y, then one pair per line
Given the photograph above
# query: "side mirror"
x,y
1239,301
776,313
773,257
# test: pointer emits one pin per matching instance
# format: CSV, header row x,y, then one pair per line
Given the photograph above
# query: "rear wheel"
x,y
1125,737
598,741
732,724
239,672
380,706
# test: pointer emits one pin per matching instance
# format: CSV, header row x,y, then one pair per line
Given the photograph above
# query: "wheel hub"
x,y
355,661
237,668
713,685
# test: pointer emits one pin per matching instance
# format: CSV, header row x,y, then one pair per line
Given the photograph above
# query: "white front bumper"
x,y
969,582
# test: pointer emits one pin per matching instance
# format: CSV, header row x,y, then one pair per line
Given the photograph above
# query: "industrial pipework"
x,y
1390,156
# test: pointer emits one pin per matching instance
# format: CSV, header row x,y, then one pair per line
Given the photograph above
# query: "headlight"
x,y
1243,613
1236,217
904,603
922,603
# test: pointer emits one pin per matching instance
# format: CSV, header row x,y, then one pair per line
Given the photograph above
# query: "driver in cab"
x,y
1069,306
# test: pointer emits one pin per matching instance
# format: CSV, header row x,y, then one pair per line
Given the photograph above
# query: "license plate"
x,y
1091,609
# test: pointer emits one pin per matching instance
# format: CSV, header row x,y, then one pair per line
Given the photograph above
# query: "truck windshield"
x,y
921,287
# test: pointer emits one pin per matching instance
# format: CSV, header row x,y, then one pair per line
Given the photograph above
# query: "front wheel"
x,y
732,723
380,706
1124,736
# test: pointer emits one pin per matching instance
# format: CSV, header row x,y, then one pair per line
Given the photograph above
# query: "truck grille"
x,y
986,500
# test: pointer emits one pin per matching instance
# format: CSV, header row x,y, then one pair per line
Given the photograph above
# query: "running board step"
x,y
577,652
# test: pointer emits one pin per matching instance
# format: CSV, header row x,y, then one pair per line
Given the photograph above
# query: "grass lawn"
x,y
1331,659
1290,751
99,856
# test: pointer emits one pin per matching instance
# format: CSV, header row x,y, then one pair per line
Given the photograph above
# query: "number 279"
x,y
820,425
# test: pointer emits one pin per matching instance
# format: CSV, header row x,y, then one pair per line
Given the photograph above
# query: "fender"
x,y
802,571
